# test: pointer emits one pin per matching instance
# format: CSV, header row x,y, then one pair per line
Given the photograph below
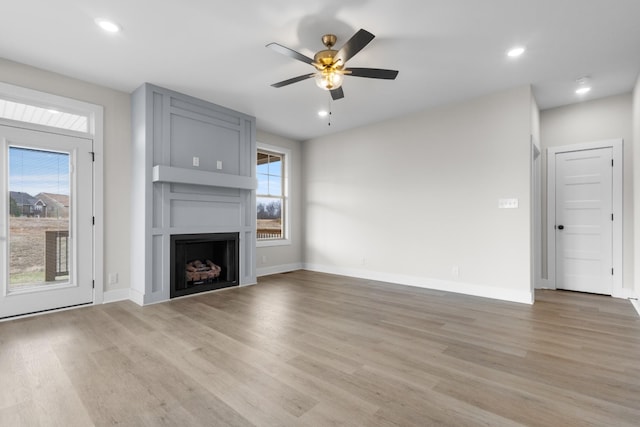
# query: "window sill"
x,y
268,243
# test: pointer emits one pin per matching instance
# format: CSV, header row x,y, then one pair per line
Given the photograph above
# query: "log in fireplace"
x,y
203,262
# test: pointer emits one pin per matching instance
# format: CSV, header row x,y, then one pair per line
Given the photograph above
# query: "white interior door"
x,y
46,235
584,220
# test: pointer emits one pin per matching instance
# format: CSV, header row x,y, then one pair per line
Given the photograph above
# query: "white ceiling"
x,y
445,50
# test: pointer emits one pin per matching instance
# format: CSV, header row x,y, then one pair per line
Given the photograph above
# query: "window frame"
x,y
286,160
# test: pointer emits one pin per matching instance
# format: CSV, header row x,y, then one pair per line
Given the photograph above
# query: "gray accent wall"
x,y
172,195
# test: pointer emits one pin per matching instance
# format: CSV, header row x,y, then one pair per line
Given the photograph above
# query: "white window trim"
x,y
287,229
95,113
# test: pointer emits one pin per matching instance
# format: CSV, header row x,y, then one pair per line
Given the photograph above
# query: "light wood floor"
x,y
312,349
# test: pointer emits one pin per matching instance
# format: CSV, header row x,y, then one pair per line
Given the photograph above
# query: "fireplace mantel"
x,y
193,171
170,174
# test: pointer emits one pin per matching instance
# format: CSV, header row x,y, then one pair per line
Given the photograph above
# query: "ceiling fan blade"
x,y
372,73
337,94
354,45
290,53
293,80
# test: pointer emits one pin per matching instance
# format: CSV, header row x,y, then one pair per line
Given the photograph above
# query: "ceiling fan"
x,y
330,64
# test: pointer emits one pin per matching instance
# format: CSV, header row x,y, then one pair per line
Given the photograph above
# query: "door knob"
x,y
561,227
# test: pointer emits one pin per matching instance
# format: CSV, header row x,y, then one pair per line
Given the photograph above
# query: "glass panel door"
x,y
46,221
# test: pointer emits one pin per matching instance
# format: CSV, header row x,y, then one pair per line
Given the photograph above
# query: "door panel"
x,y
584,206
46,232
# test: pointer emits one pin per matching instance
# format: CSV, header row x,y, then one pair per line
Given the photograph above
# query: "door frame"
x,y
536,215
95,114
617,146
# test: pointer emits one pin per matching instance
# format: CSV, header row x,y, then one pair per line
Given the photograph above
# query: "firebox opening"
x,y
203,262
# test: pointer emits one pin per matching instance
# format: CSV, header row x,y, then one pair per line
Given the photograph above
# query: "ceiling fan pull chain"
x,y
329,123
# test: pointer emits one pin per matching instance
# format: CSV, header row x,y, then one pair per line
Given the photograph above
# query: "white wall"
x,y
117,137
600,119
535,120
408,199
636,181
277,259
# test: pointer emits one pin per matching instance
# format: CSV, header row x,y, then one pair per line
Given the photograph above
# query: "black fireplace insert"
x,y
203,262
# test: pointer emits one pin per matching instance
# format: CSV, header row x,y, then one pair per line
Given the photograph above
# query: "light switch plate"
x,y
508,203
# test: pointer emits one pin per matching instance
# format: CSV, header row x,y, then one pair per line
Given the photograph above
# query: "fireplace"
x,y
203,262
172,199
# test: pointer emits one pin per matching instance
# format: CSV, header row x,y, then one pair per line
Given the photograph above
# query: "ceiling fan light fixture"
x,y
329,79
584,85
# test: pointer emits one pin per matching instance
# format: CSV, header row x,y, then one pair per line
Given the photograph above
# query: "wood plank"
x,y
313,349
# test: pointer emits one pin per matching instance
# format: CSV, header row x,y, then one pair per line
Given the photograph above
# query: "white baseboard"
x,y
545,284
636,304
277,269
115,295
523,297
136,297
624,293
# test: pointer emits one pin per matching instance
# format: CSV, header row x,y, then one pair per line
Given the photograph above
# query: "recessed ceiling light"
x,y
515,52
107,25
323,113
583,85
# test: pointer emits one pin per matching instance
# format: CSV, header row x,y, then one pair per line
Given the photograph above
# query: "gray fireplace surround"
x,y
193,171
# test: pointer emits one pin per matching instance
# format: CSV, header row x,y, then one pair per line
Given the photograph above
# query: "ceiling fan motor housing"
x,y
326,58
329,40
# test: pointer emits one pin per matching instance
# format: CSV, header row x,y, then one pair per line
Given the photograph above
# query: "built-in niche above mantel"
x,y
193,173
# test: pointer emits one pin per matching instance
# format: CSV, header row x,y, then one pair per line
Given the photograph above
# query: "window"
x,y
43,116
271,195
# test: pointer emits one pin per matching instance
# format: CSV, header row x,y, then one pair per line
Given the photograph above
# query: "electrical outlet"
x,y
196,161
113,278
219,164
264,259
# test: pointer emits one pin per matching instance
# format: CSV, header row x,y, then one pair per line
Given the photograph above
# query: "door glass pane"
x,y
39,218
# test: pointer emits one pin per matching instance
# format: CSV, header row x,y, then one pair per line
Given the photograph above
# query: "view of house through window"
x,y
270,196
38,217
